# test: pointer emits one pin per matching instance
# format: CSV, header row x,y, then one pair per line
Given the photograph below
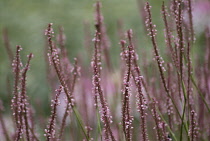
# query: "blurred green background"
x,y
26,21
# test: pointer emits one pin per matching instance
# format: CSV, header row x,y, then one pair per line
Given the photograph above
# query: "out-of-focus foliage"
x,y
27,20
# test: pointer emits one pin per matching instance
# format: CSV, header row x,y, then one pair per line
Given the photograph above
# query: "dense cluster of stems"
x,y
143,100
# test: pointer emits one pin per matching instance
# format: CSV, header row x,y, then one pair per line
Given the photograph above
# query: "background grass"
x,y
26,21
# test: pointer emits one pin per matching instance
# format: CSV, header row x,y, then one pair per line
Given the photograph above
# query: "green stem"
x,y
80,122
200,93
183,114
169,129
98,124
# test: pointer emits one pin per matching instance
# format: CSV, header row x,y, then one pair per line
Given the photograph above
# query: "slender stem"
x,y
183,114
200,93
78,117
99,124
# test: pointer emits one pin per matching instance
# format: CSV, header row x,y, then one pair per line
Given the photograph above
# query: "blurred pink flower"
x,y
201,15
